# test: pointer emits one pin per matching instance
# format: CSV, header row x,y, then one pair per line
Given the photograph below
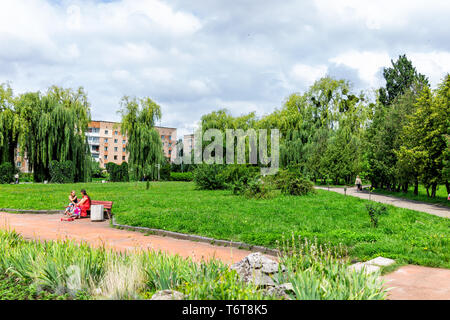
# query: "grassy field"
x,y
441,195
406,235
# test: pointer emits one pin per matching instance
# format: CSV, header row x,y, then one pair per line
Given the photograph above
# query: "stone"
x,y
381,262
258,269
168,295
280,291
368,268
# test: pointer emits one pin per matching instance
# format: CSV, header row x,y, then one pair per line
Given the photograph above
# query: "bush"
x,y
257,188
164,173
118,173
236,177
375,211
293,183
62,171
7,172
181,176
208,177
26,177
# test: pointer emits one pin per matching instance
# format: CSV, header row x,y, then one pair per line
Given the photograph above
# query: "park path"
x,y
409,282
433,209
50,227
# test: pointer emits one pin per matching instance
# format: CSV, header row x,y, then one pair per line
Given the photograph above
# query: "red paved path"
x,y
49,227
410,282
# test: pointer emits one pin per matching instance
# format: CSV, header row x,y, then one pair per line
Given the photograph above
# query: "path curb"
x,y
192,237
32,211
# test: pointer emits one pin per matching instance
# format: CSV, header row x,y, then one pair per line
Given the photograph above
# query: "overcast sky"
x,y
196,56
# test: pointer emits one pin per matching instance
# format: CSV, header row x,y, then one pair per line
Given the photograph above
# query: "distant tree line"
x,y
395,137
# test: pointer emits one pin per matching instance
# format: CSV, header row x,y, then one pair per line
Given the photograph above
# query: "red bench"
x,y
107,206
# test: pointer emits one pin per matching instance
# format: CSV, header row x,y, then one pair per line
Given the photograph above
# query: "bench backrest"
x,y
106,204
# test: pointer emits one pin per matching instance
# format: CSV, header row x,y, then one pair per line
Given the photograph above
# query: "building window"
x,y
170,151
116,133
115,157
123,150
163,144
170,144
170,137
106,140
106,131
123,158
115,140
19,164
106,157
115,149
106,148
124,142
162,137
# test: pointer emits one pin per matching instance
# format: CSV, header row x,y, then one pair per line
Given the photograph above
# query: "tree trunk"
x,y
433,190
405,188
416,187
428,192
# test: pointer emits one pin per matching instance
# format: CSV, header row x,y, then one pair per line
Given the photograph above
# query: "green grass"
x,y
440,199
66,270
405,235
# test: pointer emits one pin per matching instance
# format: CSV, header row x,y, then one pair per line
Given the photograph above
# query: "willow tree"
x,y
52,127
9,125
144,144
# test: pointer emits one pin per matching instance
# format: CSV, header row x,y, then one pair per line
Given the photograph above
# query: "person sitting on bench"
x,y
84,204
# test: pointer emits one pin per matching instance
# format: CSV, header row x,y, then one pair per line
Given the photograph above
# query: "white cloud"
x,y
367,63
306,74
195,57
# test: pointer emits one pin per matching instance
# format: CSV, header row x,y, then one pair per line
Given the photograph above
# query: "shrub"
x,y
375,211
208,177
181,176
257,188
7,172
62,171
26,177
118,173
164,173
236,177
293,183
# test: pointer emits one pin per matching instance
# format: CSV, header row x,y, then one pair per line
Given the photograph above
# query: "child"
x,y
73,202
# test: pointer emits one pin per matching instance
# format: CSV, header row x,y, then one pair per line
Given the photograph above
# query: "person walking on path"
x,y
358,183
17,178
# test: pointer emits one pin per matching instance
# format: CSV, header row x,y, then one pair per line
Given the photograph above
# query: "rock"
x,y
168,295
280,291
381,262
258,269
368,268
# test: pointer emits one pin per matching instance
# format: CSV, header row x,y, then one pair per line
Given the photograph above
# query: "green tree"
x,y
144,143
402,76
52,127
425,136
9,125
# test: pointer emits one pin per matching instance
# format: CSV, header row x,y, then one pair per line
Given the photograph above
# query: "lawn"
x,y
441,195
408,236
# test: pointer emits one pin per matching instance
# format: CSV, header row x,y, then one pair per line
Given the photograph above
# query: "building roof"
x,y
119,122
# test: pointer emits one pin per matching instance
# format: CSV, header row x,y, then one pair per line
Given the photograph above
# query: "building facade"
x,y
107,144
188,143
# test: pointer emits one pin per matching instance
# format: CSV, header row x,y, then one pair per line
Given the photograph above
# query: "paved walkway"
x,y
436,210
418,283
410,282
50,227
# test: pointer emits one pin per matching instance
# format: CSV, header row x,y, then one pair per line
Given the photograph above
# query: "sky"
x,y
193,57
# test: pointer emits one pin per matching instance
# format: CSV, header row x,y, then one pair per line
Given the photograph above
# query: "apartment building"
x,y
107,144
188,143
